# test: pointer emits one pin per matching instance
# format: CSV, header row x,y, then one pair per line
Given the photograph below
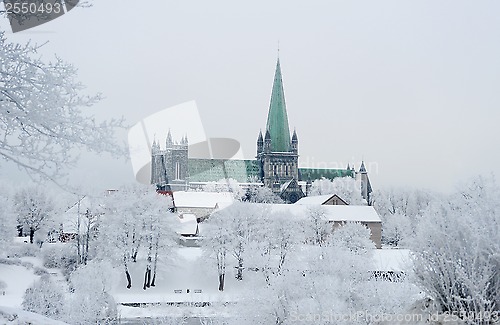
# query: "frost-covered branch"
x,y
42,121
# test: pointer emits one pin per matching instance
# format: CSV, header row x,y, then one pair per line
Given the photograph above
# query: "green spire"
x,y
277,119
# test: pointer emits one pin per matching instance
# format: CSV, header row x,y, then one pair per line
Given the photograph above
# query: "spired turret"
x,y
366,187
295,142
260,143
267,142
168,142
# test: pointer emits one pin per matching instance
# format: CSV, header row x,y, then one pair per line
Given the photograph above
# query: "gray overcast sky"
x,y
413,87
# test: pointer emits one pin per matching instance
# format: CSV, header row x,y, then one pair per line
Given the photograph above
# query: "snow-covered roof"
x,y
285,185
314,200
194,199
351,213
354,213
223,205
187,224
396,260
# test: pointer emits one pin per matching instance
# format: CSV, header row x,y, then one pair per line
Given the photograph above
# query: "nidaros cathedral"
x,y
276,165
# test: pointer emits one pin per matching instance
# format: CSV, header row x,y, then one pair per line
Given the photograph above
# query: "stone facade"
x,y
276,164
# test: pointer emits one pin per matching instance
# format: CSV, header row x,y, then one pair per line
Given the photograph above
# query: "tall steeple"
x,y
277,119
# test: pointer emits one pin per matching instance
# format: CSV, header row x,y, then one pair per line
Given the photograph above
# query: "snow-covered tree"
x,y
225,185
34,209
316,226
337,273
397,229
90,301
7,222
217,243
353,236
400,210
261,194
87,229
136,217
240,225
46,298
275,239
345,187
41,120
457,250
403,201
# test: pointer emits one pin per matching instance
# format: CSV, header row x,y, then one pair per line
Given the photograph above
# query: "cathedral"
x,y
276,164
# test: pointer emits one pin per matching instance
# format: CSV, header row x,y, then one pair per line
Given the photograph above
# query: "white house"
x,y
201,204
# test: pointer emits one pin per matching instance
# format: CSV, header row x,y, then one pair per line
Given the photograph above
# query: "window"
x,y
177,170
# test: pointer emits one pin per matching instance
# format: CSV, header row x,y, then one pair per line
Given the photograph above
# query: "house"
x,y
336,215
187,230
329,199
200,204
340,212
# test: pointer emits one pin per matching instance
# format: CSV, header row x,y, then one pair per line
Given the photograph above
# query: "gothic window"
x,y
177,170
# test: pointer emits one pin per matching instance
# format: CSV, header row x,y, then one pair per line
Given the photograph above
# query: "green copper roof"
x,y
213,170
318,173
277,119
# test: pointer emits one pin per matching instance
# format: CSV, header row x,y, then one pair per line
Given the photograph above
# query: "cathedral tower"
x,y
277,152
169,167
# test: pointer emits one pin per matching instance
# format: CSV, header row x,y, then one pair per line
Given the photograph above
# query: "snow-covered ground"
x,y
184,283
18,316
187,278
18,278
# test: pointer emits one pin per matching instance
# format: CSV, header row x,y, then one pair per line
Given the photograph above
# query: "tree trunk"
x,y
147,278
155,262
32,234
221,282
127,274
239,273
78,239
129,280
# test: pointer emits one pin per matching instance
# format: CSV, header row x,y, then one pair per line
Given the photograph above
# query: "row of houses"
x,y
194,207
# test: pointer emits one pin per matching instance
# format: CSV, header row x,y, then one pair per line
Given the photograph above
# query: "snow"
x,y
187,225
397,260
314,200
18,278
18,316
188,270
339,213
201,199
356,213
